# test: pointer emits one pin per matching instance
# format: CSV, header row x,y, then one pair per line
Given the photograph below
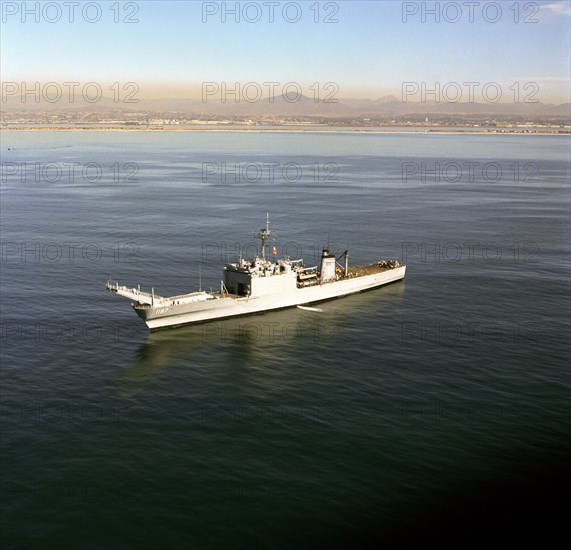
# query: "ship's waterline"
x,y
258,285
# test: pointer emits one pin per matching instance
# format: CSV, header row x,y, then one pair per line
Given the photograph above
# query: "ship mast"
x,y
265,235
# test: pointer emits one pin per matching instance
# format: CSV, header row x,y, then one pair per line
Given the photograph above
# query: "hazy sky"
x,y
369,52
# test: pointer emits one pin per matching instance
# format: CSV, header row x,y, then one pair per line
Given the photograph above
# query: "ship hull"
x,y
162,317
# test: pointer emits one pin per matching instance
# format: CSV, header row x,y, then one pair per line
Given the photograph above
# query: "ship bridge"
x,y
260,276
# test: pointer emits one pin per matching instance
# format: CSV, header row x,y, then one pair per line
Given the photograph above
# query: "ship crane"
x,y
345,266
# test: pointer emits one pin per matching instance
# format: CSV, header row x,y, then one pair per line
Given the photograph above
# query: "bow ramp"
x,y
135,294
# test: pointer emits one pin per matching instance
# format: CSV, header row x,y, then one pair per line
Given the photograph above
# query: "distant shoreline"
x,y
299,129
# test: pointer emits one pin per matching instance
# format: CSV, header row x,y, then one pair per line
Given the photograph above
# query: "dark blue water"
x,y
434,407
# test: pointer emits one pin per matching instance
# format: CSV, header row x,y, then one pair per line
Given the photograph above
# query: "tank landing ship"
x,y
258,285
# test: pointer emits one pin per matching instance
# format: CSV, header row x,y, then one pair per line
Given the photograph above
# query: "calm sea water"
x,y
436,406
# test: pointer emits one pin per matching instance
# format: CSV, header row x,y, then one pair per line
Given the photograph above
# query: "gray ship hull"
x,y
259,285
170,315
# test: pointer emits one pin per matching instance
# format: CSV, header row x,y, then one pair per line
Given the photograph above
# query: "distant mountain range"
x,y
288,106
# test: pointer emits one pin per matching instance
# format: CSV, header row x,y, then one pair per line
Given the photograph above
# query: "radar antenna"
x,y
265,235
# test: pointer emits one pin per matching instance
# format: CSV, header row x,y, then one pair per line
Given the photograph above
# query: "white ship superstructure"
x,y
258,285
